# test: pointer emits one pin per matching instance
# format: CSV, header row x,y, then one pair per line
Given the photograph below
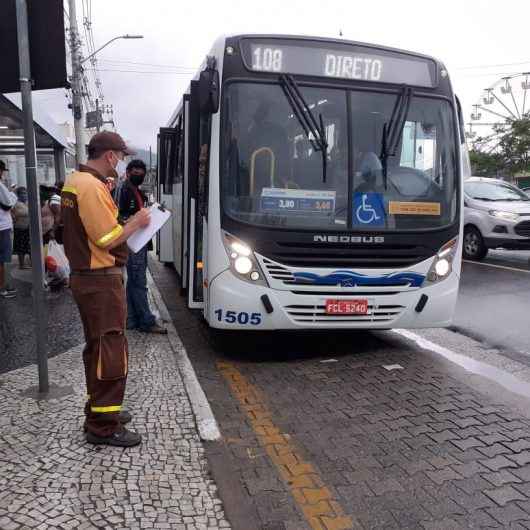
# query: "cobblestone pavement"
x,y
17,334
50,477
365,426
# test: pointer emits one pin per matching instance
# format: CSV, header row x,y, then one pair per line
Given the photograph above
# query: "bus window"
x,y
168,158
274,176
418,147
179,172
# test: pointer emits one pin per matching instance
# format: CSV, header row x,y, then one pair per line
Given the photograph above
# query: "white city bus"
x,y
315,183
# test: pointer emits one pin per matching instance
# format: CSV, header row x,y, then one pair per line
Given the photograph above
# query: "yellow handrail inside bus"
x,y
253,165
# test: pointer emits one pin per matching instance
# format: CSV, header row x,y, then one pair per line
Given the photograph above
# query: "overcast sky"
x,y
178,33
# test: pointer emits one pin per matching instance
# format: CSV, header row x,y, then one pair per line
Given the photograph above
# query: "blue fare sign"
x,y
345,62
282,201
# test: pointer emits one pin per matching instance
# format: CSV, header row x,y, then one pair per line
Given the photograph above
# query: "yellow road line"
x,y
315,500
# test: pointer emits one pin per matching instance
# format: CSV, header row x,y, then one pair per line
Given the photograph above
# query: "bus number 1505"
x,y
267,59
233,317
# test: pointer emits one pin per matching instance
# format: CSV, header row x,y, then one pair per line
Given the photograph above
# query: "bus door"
x,y
167,158
195,208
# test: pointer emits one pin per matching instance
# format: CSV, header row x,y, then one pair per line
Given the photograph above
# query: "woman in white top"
x,y
7,201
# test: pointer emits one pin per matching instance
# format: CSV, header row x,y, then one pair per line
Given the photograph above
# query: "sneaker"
x,y
124,417
155,328
122,438
4,293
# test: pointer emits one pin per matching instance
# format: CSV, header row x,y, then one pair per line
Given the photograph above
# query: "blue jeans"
x,y
139,315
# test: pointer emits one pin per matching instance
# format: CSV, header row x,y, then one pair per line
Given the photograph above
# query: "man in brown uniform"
x,y
95,244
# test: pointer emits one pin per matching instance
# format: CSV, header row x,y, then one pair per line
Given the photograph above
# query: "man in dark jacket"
x,y
131,200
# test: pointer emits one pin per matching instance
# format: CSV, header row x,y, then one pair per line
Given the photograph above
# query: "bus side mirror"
x,y
209,91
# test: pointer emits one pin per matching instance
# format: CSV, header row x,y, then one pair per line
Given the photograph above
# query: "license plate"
x,y
347,307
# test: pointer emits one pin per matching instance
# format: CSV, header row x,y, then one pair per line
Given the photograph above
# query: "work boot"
x,y
155,328
121,438
123,417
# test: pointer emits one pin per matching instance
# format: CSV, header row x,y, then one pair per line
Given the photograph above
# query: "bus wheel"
x,y
474,246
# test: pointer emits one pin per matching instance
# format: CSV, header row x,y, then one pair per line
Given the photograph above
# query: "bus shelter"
x,y
54,154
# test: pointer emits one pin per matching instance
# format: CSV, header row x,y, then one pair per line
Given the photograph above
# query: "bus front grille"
x,y
294,279
361,256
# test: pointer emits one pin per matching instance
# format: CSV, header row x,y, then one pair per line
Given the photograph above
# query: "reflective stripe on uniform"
x,y
111,408
70,189
113,234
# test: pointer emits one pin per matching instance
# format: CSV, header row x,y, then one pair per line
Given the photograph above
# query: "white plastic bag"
x,y
62,270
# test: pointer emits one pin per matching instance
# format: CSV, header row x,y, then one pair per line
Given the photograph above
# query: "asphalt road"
x,y
494,301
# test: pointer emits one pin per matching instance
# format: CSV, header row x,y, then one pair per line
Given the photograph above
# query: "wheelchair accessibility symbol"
x,y
368,209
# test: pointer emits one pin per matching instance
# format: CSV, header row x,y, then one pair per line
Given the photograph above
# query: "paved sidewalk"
x,y
51,478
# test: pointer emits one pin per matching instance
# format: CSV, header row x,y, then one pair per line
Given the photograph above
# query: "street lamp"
x,y
77,62
107,43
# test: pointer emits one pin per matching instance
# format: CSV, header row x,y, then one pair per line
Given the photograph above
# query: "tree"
x,y
510,154
515,146
486,164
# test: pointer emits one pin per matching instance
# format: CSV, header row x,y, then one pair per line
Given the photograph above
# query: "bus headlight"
x,y
442,265
243,263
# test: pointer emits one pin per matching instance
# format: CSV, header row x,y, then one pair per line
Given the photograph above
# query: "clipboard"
x,y
159,217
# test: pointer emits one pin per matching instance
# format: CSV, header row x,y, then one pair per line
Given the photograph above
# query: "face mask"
x,y
119,169
136,180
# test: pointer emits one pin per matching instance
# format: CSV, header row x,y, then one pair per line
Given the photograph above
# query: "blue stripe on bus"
x,y
351,279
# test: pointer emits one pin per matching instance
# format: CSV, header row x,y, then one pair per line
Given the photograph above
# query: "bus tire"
x,y
474,247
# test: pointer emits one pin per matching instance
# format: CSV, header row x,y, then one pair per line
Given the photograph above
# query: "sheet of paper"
x,y
140,238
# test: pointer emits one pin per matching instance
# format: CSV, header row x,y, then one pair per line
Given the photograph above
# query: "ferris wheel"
x,y
500,105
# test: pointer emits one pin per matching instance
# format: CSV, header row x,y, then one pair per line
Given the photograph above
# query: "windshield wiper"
x,y
315,131
393,130
485,199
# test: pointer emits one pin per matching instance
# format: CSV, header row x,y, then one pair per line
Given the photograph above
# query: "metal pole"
x,y
30,152
77,100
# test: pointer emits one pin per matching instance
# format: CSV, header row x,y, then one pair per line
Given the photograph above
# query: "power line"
x,y
140,71
172,66
490,65
491,74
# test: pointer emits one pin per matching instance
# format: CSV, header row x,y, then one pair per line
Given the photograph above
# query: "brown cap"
x,y
108,141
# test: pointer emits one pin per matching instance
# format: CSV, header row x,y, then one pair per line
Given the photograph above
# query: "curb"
x,y
206,422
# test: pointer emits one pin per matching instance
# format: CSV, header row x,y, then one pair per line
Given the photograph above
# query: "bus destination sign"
x,y
347,62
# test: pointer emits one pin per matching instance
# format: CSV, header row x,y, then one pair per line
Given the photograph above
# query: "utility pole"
x,y
98,121
30,154
77,100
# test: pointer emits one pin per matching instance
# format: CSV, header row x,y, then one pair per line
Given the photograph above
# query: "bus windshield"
x,y
274,175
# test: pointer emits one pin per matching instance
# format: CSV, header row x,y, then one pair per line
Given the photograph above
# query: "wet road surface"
x,y
494,301
355,430
17,332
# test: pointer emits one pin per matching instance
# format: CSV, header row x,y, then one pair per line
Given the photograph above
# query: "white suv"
x,y
496,215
